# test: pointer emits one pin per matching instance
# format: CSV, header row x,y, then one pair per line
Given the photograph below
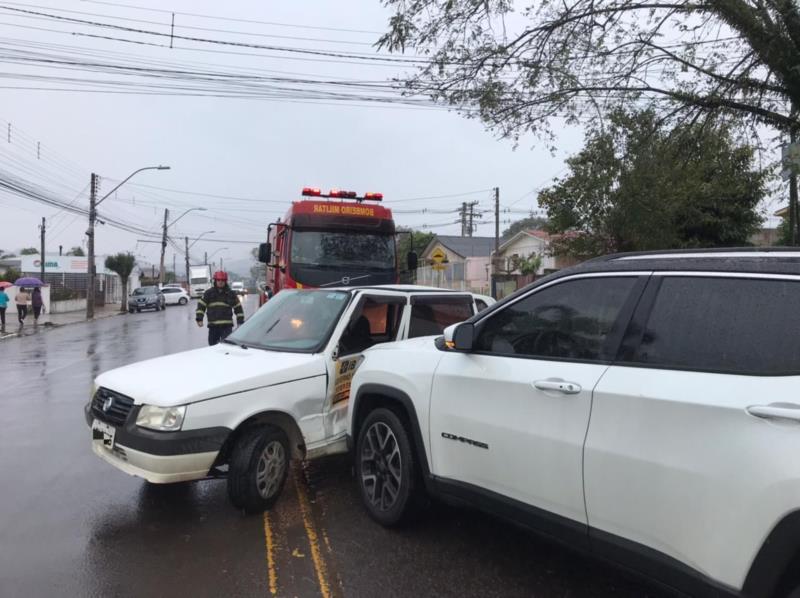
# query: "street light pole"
x,y
93,203
164,238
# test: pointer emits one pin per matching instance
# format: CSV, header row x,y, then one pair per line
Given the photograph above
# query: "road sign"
x,y
438,256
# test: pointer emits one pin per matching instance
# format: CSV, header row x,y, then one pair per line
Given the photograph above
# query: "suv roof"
x,y
771,260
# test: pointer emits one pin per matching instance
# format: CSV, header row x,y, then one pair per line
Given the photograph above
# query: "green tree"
x,y
77,251
408,239
122,264
29,251
11,274
530,223
638,185
582,59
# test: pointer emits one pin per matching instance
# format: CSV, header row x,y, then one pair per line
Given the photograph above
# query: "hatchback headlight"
x,y
162,419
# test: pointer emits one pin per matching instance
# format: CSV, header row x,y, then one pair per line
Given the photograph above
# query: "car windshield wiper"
x,y
237,343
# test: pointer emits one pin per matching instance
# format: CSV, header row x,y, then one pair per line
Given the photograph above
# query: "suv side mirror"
x,y
460,336
264,252
412,260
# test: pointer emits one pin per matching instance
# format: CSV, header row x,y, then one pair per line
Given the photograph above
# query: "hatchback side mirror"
x,y
264,253
460,337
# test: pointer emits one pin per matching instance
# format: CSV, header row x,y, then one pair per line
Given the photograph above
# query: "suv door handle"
x,y
788,411
568,388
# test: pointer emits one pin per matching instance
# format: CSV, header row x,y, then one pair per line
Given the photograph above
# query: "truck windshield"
x,y
300,321
342,249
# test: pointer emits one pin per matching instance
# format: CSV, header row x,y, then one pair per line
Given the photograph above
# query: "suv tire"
x,y
182,301
258,468
386,470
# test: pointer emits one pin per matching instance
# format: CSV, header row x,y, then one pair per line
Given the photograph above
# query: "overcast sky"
x,y
263,149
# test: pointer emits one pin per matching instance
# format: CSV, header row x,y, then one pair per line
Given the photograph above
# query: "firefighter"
x,y
219,304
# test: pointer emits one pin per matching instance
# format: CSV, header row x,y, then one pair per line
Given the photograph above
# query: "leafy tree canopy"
x,y
122,264
517,65
638,185
530,223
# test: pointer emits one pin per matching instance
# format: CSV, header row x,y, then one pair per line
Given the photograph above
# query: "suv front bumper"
x,y
159,457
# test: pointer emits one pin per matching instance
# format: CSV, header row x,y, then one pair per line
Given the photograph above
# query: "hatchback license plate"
x,y
103,432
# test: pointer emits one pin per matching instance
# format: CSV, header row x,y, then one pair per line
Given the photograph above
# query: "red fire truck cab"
x,y
335,239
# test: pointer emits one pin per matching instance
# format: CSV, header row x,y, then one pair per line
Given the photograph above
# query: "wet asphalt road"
x,y
71,525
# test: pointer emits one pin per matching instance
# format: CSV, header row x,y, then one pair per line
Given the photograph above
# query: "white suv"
x,y
275,389
643,407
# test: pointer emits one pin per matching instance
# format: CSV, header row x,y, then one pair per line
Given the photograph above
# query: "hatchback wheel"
x,y
182,301
258,468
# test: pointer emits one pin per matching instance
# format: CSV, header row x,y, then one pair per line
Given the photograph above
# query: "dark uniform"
x,y
219,305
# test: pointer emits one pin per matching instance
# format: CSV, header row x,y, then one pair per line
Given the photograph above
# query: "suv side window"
x,y
431,315
569,320
376,320
736,325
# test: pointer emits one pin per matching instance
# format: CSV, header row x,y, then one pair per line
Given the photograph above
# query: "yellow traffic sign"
x,y
438,256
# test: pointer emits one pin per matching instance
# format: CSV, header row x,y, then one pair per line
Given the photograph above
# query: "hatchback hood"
x,y
205,373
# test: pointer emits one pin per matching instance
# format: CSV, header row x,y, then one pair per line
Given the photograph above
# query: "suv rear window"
x,y
732,325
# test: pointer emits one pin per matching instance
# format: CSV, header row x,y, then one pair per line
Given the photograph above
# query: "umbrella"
x,y
4,284
28,281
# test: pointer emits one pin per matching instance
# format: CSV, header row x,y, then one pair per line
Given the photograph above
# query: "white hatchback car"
x,y
175,296
275,389
643,407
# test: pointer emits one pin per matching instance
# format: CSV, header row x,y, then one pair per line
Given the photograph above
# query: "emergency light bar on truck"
x,y
337,194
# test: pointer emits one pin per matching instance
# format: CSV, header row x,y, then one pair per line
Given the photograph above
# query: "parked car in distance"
x,y
274,390
149,297
175,296
238,288
643,407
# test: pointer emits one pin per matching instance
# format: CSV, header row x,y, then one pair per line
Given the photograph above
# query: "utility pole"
x,y
174,270
41,261
463,212
496,240
163,248
205,258
186,245
90,247
793,214
222,264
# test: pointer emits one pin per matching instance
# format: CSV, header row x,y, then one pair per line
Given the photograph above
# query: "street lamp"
x,y
164,239
93,203
188,247
215,253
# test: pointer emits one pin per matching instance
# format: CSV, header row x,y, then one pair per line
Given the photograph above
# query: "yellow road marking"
x,y
273,574
313,541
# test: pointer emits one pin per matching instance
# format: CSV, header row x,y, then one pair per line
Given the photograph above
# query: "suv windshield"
x,y
146,291
299,321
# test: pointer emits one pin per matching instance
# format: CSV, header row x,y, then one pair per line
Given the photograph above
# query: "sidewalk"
x,y
47,321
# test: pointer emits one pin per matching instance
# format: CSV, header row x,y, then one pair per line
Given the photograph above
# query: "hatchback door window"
x,y
431,315
569,320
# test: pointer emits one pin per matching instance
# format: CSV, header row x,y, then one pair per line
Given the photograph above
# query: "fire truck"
x,y
336,239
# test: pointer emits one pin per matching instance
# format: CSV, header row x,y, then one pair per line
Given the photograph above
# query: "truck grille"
x,y
115,412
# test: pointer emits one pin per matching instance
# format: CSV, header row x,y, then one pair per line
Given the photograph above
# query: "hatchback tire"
x,y
386,469
258,468
183,301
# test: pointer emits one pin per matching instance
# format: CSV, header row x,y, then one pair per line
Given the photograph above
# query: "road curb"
x,y
51,325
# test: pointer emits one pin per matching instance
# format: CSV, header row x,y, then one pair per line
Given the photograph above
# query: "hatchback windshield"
x,y
146,291
293,321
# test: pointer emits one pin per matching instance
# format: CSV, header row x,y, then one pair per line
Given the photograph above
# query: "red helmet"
x,y
220,275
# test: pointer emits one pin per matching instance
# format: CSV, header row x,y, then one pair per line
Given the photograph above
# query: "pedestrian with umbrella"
x,y
22,299
38,304
3,303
